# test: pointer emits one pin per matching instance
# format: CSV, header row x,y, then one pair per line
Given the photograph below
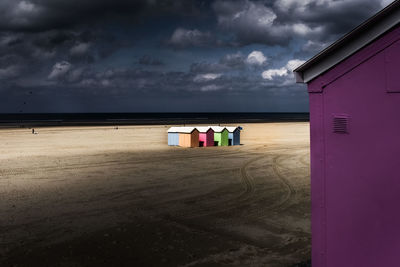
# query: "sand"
x,y
97,196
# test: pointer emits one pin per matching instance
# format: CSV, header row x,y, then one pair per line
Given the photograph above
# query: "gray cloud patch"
x,y
183,38
279,22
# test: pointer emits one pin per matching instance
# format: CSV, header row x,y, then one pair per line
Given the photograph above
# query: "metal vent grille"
x,y
340,124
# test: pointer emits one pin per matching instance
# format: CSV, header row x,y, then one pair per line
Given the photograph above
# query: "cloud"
x,y
313,46
293,64
271,73
79,49
60,70
278,22
207,67
256,58
255,22
10,72
262,35
211,87
235,60
283,71
74,75
183,38
322,16
206,77
251,22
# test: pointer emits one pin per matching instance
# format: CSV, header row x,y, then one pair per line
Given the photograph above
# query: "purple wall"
x,y
355,176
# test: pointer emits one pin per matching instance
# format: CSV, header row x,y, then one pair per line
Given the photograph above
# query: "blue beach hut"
x,y
233,136
173,136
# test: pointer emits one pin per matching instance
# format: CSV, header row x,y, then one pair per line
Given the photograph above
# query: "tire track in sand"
x,y
285,198
218,206
111,163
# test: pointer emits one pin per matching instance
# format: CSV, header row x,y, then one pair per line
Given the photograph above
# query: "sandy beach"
x,y
98,196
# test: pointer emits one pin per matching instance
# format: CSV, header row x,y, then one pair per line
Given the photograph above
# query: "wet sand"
x,y
97,196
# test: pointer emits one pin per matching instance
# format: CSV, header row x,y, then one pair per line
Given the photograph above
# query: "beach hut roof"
x,y
181,129
173,129
203,129
231,129
217,129
350,43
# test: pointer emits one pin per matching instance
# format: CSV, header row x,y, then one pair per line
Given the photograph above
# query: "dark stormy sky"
x,y
164,55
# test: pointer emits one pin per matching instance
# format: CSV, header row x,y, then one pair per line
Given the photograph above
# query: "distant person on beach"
x,y
33,131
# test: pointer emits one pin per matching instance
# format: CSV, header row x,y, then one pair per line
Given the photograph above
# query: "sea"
x,y
114,119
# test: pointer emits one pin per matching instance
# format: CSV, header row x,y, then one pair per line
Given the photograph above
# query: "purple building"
x,y
354,92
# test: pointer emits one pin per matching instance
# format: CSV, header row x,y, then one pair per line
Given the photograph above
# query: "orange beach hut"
x,y
188,137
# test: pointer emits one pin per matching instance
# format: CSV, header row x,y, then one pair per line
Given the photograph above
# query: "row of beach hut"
x,y
204,136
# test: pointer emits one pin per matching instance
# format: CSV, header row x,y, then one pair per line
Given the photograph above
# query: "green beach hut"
x,y
220,136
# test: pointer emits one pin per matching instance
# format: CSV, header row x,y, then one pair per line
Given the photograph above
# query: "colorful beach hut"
x,y
220,136
354,93
173,136
188,137
233,136
206,136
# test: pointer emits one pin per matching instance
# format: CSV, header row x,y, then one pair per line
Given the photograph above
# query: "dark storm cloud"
x,y
102,48
183,38
278,22
42,15
226,63
334,17
232,74
236,60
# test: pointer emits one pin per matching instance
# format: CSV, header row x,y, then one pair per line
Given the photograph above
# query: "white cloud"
x,y
60,69
293,64
256,58
284,71
271,73
206,77
79,49
313,46
304,30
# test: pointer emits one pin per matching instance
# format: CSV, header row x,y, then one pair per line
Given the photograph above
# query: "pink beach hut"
x,y
354,93
206,136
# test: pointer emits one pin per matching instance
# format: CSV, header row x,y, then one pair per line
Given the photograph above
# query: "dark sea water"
x,y
76,119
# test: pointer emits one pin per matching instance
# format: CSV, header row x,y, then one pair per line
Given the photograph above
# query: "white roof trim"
x,y
181,129
231,129
217,129
203,129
